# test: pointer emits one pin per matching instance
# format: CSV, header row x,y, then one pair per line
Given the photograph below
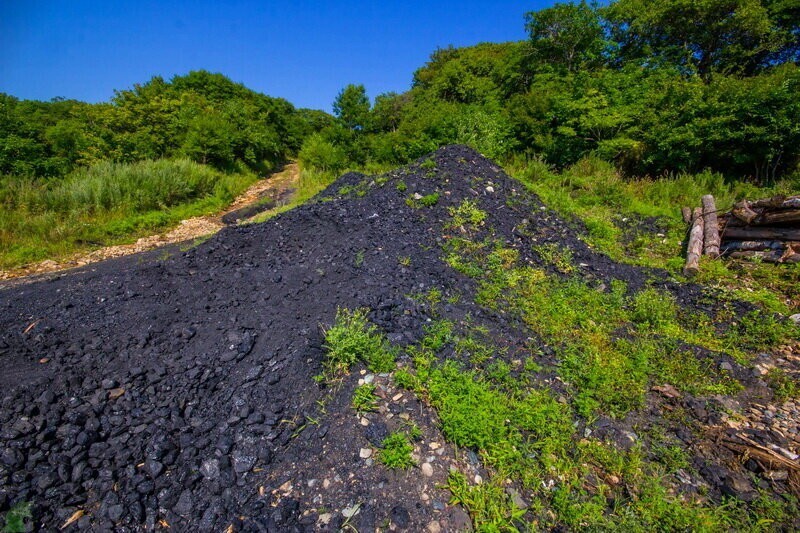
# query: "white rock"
x,y
434,527
427,469
350,512
795,318
365,453
325,518
490,189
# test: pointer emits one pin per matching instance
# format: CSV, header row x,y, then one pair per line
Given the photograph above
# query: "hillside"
x,y
429,348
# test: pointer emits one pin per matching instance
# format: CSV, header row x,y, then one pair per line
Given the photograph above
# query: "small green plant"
x,y
364,398
784,387
359,259
401,186
351,339
396,451
428,165
404,260
489,506
553,254
466,214
429,200
16,517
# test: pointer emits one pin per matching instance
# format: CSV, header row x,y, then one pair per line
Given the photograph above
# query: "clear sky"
x,y
302,51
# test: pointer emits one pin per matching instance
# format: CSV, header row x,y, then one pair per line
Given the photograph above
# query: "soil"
x,y
148,392
274,190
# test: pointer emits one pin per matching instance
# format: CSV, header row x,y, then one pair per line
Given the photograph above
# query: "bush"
x,y
319,154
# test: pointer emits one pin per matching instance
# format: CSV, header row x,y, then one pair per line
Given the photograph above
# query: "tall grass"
x,y
104,204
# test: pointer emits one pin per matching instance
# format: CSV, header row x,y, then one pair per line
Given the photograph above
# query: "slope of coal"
x,y
178,392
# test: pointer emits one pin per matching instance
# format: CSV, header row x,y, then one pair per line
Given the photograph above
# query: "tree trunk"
x,y
742,211
710,227
695,247
758,234
751,246
686,212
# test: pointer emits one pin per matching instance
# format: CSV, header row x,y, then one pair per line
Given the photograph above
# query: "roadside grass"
x,y
109,203
594,192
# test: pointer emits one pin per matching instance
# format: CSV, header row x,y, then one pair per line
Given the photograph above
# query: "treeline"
x,y
654,87
201,116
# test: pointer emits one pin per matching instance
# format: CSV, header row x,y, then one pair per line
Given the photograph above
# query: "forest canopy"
x,y
656,88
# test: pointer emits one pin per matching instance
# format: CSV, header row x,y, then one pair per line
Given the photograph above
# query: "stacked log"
x,y
767,229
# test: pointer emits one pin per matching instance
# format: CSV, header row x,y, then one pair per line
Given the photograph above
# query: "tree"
x,y
567,35
351,107
702,36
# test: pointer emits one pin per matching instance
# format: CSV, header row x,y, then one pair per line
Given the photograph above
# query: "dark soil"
x,y
153,392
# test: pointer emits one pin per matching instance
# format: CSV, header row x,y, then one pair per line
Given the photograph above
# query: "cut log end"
x,y
694,248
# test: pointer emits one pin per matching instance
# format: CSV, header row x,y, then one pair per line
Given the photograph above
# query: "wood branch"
x,y
751,246
778,202
710,227
686,212
695,247
781,217
759,234
729,220
742,211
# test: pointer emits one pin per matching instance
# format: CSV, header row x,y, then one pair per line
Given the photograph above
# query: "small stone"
x,y
427,469
115,512
185,504
324,518
478,479
365,453
516,498
400,517
243,463
364,421
795,318
726,366
489,189
434,527
350,512
397,396
434,445
210,469
326,483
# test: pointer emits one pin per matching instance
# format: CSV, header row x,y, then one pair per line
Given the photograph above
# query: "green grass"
x,y
353,339
364,398
594,192
395,451
108,203
16,517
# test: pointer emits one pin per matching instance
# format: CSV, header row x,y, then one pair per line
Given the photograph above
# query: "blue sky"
x,y
302,51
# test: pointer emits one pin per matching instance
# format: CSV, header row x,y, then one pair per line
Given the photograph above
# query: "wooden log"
x,y
760,234
742,211
778,202
751,246
779,217
686,212
710,227
695,247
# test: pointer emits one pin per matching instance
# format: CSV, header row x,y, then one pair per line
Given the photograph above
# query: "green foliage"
x,y
567,35
351,339
352,107
466,214
201,115
319,154
488,504
396,451
364,398
16,516
784,387
428,200
106,203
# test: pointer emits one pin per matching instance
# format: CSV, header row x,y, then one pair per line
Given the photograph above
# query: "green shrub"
x,y
318,153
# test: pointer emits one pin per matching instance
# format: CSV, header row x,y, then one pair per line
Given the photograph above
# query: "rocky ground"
x,y
152,393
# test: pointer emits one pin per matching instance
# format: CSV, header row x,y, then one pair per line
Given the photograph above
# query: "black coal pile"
x,y
151,392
